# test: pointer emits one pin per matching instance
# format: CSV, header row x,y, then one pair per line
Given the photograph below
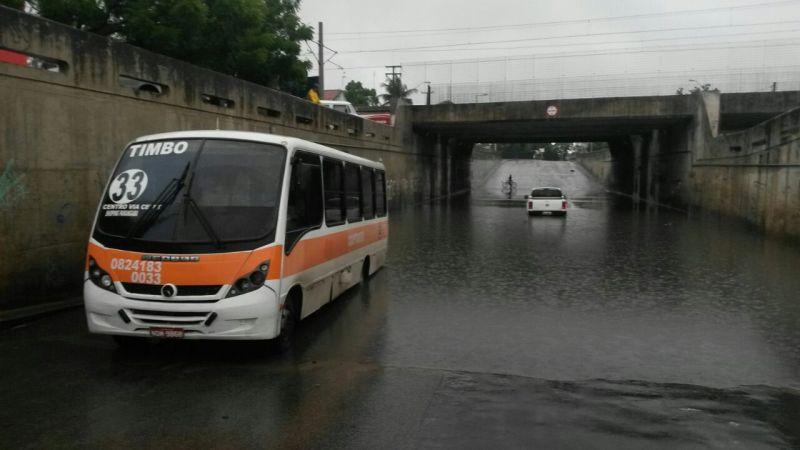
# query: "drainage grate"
x,y
183,290
178,318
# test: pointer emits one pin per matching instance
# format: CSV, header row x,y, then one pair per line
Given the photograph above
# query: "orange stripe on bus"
x,y
213,268
311,252
225,268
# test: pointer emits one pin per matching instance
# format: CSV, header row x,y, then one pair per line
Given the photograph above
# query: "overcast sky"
x,y
468,41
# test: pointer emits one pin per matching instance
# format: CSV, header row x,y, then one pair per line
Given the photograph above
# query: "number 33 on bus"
x,y
230,235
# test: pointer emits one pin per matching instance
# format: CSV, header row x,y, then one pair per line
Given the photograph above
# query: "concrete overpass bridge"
x,y
594,119
660,146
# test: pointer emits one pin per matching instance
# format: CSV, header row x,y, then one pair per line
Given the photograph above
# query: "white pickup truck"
x,y
546,201
347,107
341,106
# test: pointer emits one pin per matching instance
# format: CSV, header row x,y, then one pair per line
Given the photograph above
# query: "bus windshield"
x,y
204,193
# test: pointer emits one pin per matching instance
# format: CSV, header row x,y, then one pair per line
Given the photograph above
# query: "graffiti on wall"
x,y
12,186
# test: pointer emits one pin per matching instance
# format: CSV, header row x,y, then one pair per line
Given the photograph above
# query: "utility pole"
x,y
428,95
394,73
321,62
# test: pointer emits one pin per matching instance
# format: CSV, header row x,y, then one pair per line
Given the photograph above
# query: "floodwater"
x,y
609,328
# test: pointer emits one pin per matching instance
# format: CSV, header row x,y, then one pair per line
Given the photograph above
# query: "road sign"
x,y
552,110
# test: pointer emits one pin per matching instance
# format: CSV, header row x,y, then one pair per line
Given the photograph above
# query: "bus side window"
x,y
352,183
333,173
367,189
305,198
380,193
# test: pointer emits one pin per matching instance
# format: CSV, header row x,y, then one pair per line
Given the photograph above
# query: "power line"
x,y
568,21
544,38
566,55
655,49
573,44
793,69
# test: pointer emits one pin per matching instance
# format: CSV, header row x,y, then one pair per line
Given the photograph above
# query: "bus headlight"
x,y
100,277
251,282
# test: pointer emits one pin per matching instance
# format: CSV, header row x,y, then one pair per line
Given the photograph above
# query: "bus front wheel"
x,y
365,269
290,315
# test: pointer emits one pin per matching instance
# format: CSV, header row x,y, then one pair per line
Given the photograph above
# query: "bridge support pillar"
x,y
646,155
653,155
639,162
448,169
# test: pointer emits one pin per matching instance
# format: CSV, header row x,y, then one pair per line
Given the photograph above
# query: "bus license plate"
x,y
168,333
547,213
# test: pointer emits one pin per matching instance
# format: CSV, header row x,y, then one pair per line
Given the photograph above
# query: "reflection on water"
x,y
473,410
603,293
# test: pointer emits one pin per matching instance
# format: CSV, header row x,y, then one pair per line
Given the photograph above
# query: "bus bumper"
x,y
255,315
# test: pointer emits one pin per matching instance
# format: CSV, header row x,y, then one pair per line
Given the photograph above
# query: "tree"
x,y
517,150
556,151
395,90
358,95
705,87
16,4
256,40
551,151
95,16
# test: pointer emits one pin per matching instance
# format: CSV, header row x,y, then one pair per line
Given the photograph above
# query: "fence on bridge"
x,y
618,85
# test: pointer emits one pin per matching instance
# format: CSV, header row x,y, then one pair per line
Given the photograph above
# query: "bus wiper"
x,y
203,219
164,199
204,222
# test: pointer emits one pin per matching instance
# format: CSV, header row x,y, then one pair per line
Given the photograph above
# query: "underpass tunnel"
x,y
645,160
650,166
531,165
649,143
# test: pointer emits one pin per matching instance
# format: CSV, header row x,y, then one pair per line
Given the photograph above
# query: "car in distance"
x,y
546,201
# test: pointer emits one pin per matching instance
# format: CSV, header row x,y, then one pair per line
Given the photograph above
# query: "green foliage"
x,y
16,4
171,28
358,95
517,150
552,151
256,40
556,151
89,15
395,90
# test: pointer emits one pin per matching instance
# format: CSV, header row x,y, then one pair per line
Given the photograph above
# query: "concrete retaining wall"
x,y
599,164
753,175
63,130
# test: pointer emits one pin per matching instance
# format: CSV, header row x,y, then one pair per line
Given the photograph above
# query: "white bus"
x,y
230,235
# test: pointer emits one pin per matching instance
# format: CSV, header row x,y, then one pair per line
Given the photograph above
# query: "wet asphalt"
x,y
614,327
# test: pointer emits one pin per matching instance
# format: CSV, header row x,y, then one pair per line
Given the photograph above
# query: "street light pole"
x,y
428,94
321,63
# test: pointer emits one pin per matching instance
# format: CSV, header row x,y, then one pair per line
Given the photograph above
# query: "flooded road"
x,y
609,328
